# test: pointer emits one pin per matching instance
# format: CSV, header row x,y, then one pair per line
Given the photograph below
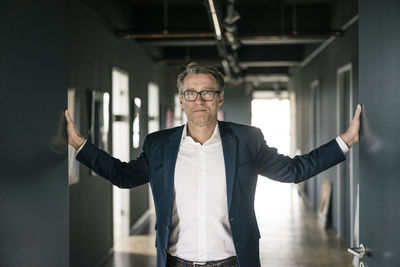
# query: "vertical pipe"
x,y
165,11
283,18
294,19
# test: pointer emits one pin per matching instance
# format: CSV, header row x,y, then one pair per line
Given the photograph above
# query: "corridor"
x,y
290,235
114,66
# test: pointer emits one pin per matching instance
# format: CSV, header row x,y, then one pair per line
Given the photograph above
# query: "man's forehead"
x,y
200,79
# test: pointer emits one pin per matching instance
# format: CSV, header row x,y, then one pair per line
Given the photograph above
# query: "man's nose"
x,y
199,99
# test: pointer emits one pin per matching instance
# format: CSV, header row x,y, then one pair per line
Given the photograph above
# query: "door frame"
x,y
121,197
153,121
340,194
314,130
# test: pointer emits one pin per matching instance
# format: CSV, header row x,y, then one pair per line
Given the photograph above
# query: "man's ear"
x,y
221,99
181,99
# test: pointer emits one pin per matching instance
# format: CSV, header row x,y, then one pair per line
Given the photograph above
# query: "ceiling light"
x,y
217,28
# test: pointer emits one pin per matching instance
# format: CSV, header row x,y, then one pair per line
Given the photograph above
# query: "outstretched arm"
x,y
351,136
121,174
74,138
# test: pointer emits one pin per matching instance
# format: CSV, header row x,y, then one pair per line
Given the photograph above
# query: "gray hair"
x,y
195,68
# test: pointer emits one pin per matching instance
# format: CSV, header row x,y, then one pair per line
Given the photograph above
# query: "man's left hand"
x,y
352,135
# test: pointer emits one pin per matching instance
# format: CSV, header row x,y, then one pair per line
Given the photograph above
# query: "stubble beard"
x,y
205,120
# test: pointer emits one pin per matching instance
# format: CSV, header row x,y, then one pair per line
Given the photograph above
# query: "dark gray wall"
x,y
324,68
33,162
93,51
237,105
380,144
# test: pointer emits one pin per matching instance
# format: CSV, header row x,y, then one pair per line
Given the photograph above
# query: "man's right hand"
x,y
352,135
74,138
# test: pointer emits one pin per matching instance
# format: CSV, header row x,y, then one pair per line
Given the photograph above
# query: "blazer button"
x,y
231,219
167,228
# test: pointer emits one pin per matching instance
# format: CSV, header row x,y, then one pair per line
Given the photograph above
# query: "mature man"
x,y
203,176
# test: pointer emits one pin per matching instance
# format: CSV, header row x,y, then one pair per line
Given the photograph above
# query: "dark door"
x,y
33,160
379,83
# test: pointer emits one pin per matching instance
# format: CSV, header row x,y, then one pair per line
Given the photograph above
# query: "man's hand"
x,y
74,138
351,136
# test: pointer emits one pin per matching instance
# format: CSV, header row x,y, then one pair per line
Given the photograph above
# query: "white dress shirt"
x,y
200,229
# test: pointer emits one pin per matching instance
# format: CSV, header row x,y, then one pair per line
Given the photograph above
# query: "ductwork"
x,y
229,36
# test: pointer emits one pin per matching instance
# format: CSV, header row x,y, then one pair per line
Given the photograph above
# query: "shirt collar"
x,y
215,137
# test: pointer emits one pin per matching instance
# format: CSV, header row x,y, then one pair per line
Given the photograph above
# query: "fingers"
x,y
68,116
358,111
357,114
351,136
71,129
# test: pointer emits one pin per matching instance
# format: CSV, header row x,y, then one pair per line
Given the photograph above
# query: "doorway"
x,y
271,113
120,148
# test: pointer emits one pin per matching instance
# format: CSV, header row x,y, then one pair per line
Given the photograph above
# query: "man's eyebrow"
x,y
204,89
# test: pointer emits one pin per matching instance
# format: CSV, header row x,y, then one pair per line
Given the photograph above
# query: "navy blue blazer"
x,y
246,156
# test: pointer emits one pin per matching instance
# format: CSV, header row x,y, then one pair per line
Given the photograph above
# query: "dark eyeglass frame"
x,y
214,92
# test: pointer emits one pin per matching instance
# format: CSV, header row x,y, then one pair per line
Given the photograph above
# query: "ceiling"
x,y
260,40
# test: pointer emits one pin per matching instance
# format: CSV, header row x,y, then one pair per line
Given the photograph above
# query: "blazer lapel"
x,y
229,146
170,154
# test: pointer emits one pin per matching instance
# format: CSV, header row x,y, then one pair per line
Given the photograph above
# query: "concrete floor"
x,y
290,234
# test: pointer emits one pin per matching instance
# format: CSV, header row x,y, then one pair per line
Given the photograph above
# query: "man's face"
x,y
199,112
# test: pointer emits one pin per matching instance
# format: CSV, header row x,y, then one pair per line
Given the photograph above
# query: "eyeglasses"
x,y
206,95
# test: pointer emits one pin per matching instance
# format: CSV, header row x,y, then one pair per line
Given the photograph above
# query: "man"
x,y
203,176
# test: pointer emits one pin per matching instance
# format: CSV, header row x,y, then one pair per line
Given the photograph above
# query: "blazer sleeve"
x,y
295,170
121,174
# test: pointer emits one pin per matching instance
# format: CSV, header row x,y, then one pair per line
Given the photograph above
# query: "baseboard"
x,y
145,218
108,254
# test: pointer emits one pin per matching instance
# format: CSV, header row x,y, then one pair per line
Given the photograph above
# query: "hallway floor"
x,y
290,234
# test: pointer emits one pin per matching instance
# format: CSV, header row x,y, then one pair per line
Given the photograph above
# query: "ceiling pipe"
x,y
233,63
231,33
160,35
328,41
228,74
220,41
232,16
208,39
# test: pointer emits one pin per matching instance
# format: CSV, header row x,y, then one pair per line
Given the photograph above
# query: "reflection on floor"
x,y
137,250
290,235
